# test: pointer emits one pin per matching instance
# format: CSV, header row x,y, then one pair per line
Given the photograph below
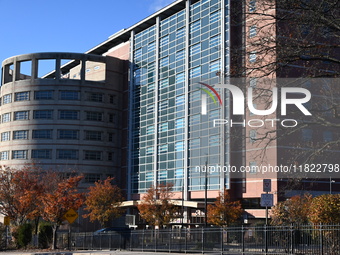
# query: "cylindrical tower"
x,y
64,117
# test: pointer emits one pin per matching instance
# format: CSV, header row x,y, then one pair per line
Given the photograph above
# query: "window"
x,y
214,114
164,40
195,26
22,115
93,135
162,175
149,176
43,114
179,146
149,150
150,130
214,66
138,53
252,57
5,136
151,46
149,108
6,99
19,154
69,95
111,137
95,116
68,134
180,32
252,31
163,148
93,155
6,117
4,155
112,99
252,136
92,178
214,17
20,134
67,154
22,96
163,105
179,123
195,72
214,140
163,83
151,87
137,77
42,154
195,96
179,173
68,115
214,41
195,49
111,117
110,156
43,95
327,136
194,143
180,100
180,55
163,127
195,119
94,97
180,77
42,134
164,62
252,5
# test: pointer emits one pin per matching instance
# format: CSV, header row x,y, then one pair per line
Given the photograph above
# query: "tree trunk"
x,y
54,240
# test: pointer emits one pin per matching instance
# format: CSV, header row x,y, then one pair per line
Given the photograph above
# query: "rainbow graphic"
x,y
204,97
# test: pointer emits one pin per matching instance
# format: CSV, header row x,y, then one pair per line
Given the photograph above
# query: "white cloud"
x,y
156,5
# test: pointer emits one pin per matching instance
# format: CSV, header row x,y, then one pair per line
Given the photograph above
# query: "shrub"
x,y
24,235
45,235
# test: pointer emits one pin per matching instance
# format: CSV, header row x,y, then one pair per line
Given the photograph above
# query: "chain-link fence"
x,y
314,240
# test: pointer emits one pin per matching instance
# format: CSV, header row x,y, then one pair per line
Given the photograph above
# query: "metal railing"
x,y
314,240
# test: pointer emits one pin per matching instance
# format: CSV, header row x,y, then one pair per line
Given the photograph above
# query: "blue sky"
x,y
29,26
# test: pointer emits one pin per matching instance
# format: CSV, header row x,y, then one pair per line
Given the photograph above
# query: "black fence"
x,y
314,240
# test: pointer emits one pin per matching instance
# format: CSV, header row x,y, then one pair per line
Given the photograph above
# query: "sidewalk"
x,y
88,253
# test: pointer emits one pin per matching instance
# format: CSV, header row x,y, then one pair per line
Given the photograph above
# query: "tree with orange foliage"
x,y
292,211
19,193
224,211
325,209
103,202
58,200
156,207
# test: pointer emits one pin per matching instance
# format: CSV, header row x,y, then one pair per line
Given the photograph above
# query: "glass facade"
x,y
170,136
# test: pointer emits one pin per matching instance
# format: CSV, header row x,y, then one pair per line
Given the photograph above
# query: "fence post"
x,y
203,241
155,239
321,240
170,236
143,239
265,240
243,244
185,239
292,238
221,234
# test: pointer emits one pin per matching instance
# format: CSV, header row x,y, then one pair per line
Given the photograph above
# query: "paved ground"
x,y
86,253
